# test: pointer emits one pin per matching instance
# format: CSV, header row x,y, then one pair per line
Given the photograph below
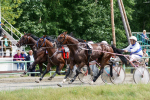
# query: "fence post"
x,y
25,66
124,67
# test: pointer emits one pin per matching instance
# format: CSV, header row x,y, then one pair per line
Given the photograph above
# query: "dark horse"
x,y
40,55
55,57
79,55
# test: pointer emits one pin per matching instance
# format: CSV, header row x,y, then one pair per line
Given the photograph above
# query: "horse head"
x,y
40,43
23,40
61,39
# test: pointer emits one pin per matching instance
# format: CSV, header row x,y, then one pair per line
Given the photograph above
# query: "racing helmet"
x,y
133,38
104,42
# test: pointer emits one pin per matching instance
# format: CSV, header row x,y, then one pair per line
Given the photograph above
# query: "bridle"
x,y
24,41
62,41
42,43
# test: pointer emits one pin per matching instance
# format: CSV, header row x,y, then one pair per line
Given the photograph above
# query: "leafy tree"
x,y
141,16
85,18
10,10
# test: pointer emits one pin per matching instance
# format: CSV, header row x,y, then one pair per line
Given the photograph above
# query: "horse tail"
x,y
119,51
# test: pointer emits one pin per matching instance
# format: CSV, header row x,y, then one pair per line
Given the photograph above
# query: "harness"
x,y
42,43
65,54
63,40
24,41
50,58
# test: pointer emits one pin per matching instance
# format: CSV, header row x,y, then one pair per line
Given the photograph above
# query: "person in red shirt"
x,y
18,57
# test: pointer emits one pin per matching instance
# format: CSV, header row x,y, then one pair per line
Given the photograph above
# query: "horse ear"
x,y
44,36
65,32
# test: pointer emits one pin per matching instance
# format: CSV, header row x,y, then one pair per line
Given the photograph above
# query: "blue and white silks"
x,y
135,49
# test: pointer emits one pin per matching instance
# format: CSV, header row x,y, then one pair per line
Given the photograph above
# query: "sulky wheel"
x,y
141,75
106,75
84,76
118,75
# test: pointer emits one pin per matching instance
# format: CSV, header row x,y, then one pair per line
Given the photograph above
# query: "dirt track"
x,y
29,82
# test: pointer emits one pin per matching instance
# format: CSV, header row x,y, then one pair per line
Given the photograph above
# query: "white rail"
x,y
11,28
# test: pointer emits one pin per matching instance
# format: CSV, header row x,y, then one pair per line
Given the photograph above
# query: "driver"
x,y
134,48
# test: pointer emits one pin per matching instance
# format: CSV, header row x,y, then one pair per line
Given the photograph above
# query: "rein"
x,y
106,52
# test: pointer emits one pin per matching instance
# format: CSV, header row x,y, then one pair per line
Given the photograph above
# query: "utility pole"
x,y
123,20
112,23
95,1
0,13
126,19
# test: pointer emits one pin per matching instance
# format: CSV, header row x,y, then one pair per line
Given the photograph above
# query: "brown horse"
x,y
79,55
40,55
55,56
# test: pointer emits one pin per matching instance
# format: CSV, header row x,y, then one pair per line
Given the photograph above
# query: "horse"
x,y
79,55
55,56
40,55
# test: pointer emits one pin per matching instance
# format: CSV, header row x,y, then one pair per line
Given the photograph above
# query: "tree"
x,y
85,18
141,16
10,10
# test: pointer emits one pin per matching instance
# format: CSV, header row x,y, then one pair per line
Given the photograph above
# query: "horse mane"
x,y
34,37
80,40
119,51
49,38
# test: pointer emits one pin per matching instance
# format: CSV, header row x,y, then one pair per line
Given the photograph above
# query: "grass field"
x,y
103,92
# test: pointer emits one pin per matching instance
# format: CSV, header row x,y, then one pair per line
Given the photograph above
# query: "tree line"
x,y
87,19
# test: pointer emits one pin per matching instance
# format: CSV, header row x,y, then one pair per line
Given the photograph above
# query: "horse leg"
x,y
40,66
24,73
77,72
58,69
103,61
34,63
45,72
67,74
50,78
96,77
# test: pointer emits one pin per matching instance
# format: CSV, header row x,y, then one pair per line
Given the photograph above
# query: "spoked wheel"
x,y
106,75
118,75
84,77
141,75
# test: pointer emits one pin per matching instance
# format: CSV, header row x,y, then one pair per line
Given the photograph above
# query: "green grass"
x,y
103,92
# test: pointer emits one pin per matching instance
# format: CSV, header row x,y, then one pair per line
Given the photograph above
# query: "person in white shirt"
x,y
30,57
135,49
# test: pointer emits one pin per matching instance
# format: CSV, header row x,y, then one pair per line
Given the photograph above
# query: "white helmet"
x,y
90,42
104,42
133,38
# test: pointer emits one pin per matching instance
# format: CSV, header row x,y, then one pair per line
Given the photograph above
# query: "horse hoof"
x,y
21,75
68,79
60,85
70,82
91,83
37,81
49,78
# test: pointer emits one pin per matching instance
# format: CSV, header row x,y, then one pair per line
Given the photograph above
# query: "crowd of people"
x,y
21,56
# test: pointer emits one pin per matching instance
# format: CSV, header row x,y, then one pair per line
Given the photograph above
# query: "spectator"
x,y
0,49
30,58
17,57
144,37
145,55
6,45
23,55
